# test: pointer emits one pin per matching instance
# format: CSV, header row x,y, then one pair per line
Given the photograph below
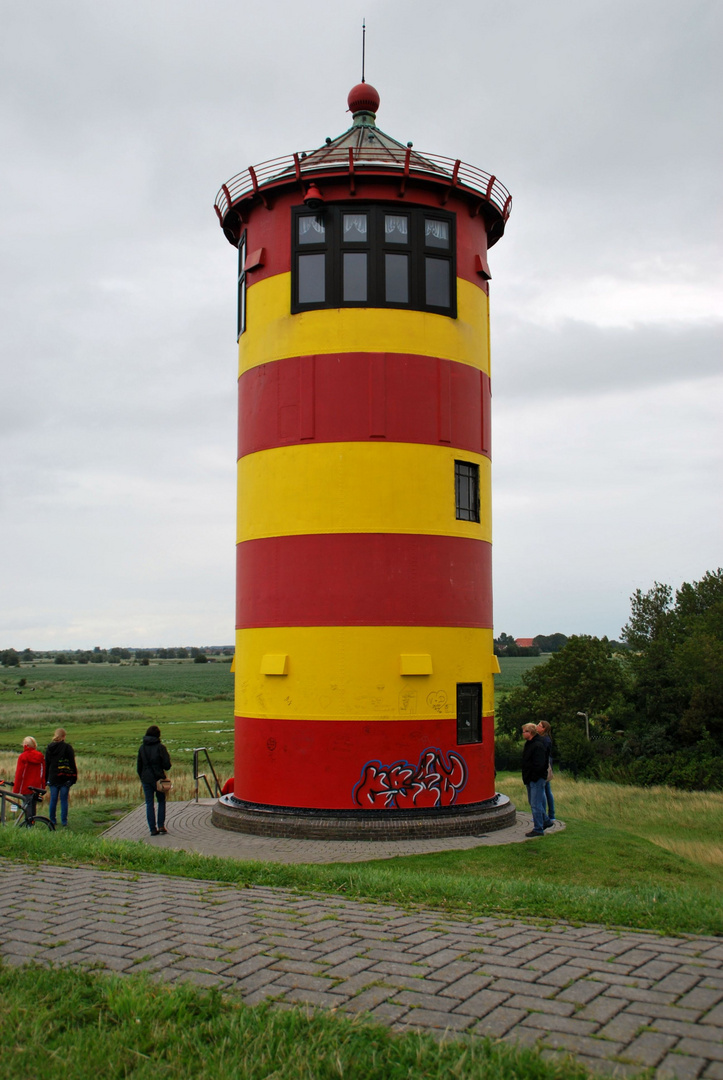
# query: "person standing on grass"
x,y
534,777
153,760
545,732
30,769
62,773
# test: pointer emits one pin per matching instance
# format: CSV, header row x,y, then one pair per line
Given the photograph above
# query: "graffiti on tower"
x,y
434,781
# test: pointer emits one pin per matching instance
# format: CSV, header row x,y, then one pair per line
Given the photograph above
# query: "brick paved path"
x,y
618,1001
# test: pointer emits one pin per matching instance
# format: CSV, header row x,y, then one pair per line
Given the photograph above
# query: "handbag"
x,y
549,773
164,785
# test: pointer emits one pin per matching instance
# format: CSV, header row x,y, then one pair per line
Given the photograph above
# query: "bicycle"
x,y
27,804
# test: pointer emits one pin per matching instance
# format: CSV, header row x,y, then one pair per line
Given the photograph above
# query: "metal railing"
x,y
450,172
8,797
216,790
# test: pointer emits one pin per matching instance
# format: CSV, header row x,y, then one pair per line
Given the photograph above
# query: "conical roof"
x,y
368,143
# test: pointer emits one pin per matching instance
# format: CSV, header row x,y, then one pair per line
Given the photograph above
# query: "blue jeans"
x,y
536,795
149,791
550,801
63,790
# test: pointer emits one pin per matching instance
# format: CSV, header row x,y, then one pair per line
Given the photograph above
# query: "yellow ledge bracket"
x,y
275,664
495,665
415,664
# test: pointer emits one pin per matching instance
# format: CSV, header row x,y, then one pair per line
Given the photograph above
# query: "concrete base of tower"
x,y
472,819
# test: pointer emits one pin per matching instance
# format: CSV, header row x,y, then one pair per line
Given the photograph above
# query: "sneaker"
x,y
154,832
163,830
534,833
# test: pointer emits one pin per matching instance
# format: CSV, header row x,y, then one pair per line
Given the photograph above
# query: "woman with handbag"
x,y
61,773
153,760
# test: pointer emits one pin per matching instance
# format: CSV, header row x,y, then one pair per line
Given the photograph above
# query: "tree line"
x,y
653,710
116,655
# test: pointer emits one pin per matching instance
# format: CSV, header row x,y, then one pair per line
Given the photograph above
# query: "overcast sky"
x,y
118,124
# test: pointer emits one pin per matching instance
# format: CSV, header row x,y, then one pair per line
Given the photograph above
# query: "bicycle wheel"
x,y
43,822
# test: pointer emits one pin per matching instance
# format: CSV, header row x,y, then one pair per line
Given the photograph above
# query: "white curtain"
x,y
395,224
355,223
306,224
437,229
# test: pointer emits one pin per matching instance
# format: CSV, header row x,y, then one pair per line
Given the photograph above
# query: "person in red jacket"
x,y
30,770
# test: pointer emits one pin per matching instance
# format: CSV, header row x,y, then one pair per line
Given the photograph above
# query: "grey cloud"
x,y
577,359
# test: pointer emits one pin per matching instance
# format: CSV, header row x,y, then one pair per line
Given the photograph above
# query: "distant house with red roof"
x,y
525,642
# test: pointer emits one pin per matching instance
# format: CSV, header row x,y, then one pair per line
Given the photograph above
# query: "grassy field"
x,y
106,709
83,1025
630,856
512,668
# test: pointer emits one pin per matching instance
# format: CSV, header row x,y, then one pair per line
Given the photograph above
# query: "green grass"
x,y
179,679
106,708
77,1025
512,668
688,823
560,877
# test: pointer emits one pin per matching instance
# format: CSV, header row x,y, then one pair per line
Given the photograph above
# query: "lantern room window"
x,y
374,256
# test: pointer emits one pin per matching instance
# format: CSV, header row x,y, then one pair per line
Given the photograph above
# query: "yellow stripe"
x,y
353,487
274,333
353,672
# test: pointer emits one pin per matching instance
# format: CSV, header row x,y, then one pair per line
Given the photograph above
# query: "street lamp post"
x,y
587,725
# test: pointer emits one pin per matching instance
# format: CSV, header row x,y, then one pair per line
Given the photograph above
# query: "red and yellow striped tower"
x,y
364,656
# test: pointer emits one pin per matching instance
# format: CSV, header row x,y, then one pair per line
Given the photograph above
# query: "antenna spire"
x,y
364,46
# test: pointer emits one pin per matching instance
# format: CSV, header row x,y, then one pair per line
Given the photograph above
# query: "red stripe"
x,y
312,763
354,397
271,231
364,579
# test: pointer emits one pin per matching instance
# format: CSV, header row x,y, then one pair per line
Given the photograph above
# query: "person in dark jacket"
x,y
61,773
534,777
545,732
153,760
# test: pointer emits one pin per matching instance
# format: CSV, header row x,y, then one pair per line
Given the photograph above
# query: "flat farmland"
x,y
106,708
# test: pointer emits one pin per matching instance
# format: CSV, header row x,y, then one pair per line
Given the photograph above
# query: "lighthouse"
x,y
364,701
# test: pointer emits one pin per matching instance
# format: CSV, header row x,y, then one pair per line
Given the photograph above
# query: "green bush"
x,y
685,770
508,753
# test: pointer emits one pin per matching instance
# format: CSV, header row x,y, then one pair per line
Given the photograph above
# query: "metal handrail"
x,y
282,170
8,796
202,776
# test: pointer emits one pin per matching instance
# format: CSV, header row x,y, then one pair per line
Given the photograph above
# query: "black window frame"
x,y
469,722
241,298
376,247
466,491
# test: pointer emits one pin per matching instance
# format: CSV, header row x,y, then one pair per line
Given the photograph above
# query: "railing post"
x,y
214,792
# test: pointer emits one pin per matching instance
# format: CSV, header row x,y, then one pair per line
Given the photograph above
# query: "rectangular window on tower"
x,y
469,713
241,316
466,490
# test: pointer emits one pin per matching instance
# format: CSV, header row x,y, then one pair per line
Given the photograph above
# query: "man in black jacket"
x,y
535,759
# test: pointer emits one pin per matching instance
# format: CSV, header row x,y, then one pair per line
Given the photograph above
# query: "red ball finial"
x,y
363,98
